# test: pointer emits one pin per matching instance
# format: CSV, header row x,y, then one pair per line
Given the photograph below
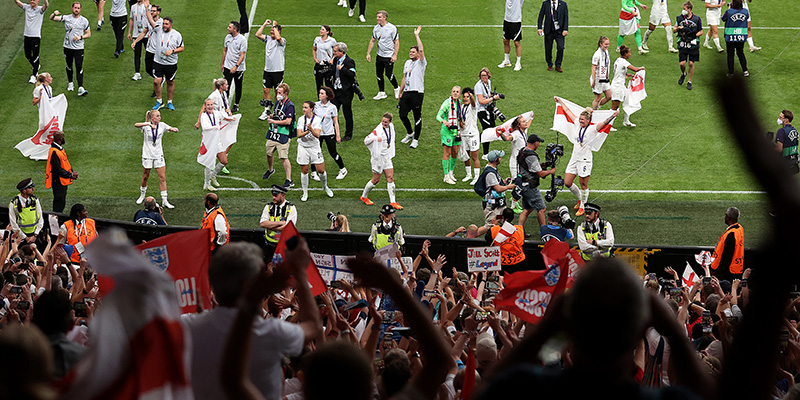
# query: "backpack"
x,y
480,186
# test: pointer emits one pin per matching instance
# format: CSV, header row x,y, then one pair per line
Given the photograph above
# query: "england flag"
x,y
634,94
563,124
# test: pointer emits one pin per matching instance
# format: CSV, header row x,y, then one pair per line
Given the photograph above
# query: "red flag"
x,y
317,285
528,293
185,256
469,376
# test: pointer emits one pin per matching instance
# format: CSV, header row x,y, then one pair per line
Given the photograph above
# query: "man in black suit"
x,y
556,23
344,85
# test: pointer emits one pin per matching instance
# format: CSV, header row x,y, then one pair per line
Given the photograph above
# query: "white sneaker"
x,y
467,178
329,192
706,45
361,18
315,176
264,115
414,144
33,79
407,139
631,124
673,50
452,177
304,197
342,173
141,198
167,204
344,4
485,157
137,76
755,49
397,92
720,50
474,180
518,67
643,51
644,46
215,182
504,64
209,187
350,13
341,2
71,87
617,49
82,91
449,181
380,96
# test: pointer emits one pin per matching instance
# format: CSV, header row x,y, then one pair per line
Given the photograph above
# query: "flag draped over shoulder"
x,y
528,293
185,257
634,93
315,281
52,113
492,134
565,125
228,131
138,348
217,140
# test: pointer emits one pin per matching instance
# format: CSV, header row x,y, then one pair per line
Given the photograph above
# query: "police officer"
x,y
530,170
386,231
216,222
25,212
595,235
274,218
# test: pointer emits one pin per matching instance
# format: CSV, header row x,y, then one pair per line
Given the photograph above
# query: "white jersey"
x,y
470,115
385,147
274,54
385,36
166,41
151,148
326,112
33,21
236,45
119,8
658,13
309,141
324,48
221,101
74,26
414,72
602,61
620,72
486,90
582,147
513,11
713,14
42,91
152,46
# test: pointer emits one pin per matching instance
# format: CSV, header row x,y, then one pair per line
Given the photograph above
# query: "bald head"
x,y
211,200
150,203
732,215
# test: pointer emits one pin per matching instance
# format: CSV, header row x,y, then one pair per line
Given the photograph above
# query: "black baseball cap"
x,y
533,138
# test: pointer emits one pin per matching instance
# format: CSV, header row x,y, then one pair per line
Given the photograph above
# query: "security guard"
x,y
79,231
595,235
386,231
216,222
510,239
728,261
275,217
25,212
58,173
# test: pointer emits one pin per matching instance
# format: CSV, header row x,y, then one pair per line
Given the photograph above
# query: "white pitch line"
x,y
500,26
635,191
252,184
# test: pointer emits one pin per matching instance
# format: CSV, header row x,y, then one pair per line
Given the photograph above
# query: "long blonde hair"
x,y
41,78
344,226
149,115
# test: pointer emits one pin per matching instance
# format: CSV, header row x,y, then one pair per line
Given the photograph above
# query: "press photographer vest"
x,y
599,235
27,217
208,223
531,178
277,213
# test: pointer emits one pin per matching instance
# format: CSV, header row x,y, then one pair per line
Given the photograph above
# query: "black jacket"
x,y
347,74
562,16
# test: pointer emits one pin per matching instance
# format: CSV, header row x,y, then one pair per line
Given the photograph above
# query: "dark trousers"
x,y
384,65
330,143
362,6
237,77
59,197
322,79
558,37
344,99
412,101
149,61
739,48
76,57
118,24
32,52
487,121
137,54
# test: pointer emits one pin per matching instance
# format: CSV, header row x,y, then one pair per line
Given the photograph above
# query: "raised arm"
x,y
19,3
55,16
566,109
420,51
260,31
602,125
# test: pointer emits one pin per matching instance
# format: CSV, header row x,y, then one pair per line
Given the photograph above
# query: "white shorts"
x,y
151,163
580,168
618,93
713,17
379,164
309,155
659,16
470,143
600,87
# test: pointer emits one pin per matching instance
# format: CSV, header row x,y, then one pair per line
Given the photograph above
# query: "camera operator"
x,y
486,103
530,171
559,225
339,223
494,199
152,213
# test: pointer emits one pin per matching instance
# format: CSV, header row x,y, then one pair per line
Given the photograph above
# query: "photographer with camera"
x,y
281,123
339,223
530,171
492,187
345,86
559,225
451,118
486,98
152,213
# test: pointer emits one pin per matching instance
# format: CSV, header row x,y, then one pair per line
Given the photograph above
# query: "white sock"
x,y
390,188
668,29
469,170
143,190
367,189
750,42
716,43
519,60
708,35
304,183
476,171
163,195
585,196
626,118
207,176
159,100
506,59
217,169
323,179
576,191
647,34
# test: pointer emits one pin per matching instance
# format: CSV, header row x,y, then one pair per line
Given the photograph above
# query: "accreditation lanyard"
x,y
309,122
211,118
154,132
169,38
49,96
81,226
224,102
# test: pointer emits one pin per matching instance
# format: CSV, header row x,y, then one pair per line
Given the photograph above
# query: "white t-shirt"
x,y
221,101
470,115
139,17
235,45
152,46
33,20
483,89
166,41
119,8
602,61
326,112
274,55
620,72
309,141
40,90
74,26
272,339
151,148
324,48
385,36
513,10
414,71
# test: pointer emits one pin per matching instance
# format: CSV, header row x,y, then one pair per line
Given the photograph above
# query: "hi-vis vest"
x,y
83,234
208,223
383,236
277,213
737,263
510,249
62,157
599,235
27,217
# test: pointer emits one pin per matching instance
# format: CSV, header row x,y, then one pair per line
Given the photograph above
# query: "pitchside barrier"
x,y
643,259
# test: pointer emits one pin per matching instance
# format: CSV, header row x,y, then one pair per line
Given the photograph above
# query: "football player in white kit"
x,y
599,79
380,143
659,16
713,17
153,154
309,151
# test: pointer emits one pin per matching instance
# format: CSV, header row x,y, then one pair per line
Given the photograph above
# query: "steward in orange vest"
x,y
58,173
218,234
79,231
728,261
512,258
